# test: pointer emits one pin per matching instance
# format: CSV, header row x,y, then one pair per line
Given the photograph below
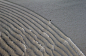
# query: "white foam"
x,y
37,42
40,44
65,42
49,22
24,47
45,34
75,47
42,48
23,29
21,36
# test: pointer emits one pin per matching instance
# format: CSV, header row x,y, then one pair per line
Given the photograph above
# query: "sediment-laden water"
x,y
25,33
